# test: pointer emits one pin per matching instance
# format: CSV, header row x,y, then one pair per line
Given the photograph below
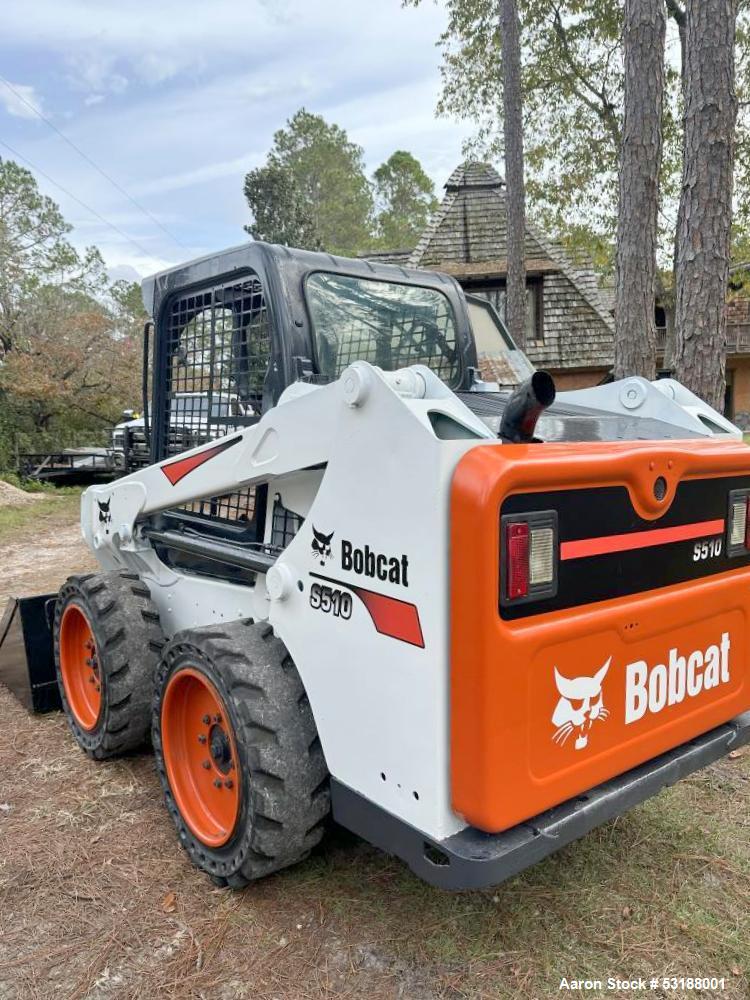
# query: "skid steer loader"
x,y
469,623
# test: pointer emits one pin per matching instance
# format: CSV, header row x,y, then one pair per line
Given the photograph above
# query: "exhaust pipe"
x,y
525,407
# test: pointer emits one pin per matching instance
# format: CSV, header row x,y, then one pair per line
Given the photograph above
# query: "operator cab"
x,y
232,331
242,325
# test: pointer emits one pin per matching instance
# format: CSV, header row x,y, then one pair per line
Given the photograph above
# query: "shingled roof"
x,y
467,237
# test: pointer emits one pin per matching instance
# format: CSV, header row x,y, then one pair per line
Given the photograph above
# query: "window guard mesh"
x,y
218,347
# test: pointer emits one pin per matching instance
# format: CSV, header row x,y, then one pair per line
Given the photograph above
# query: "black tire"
x,y
129,640
284,798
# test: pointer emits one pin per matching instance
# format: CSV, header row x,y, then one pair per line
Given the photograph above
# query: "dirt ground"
x,y
98,901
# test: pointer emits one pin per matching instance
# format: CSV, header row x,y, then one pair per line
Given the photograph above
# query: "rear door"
x,y
599,614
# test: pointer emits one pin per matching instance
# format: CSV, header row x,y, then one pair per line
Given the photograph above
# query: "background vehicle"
x,y
193,414
470,623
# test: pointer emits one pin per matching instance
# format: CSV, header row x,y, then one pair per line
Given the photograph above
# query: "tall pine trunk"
x,y
705,214
678,13
515,292
644,32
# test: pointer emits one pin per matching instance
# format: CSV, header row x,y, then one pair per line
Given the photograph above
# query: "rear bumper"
x,y
474,860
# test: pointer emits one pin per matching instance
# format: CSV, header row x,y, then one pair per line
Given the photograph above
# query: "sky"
x,y
177,99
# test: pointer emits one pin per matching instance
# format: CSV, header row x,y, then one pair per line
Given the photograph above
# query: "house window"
x,y
495,293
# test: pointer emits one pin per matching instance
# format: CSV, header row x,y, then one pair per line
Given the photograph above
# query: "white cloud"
x,y
96,72
177,102
157,42
19,100
238,166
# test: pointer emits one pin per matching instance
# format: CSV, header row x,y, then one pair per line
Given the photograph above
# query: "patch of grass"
x,y
35,486
41,512
662,891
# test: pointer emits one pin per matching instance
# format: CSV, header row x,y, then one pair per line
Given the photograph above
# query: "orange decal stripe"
x,y
605,544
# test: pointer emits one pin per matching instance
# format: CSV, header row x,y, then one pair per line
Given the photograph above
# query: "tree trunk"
x,y
515,292
677,12
705,213
644,32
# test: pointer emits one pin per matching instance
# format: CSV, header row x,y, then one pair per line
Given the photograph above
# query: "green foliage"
x,y
37,486
279,212
128,311
59,504
405,197
573,90
69,344
33,247
312,191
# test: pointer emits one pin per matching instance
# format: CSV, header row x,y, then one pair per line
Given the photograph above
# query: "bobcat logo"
x,y
104,515
581,704
321,545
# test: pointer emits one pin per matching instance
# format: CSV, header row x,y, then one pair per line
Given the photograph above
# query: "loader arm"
x,y
300,433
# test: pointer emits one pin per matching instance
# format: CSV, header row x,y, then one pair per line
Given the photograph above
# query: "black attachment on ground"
x,y
27,662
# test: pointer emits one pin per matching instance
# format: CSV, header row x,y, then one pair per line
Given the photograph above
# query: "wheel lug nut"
x,y
229,783
217,719
206,719
217,783
201,738
206,764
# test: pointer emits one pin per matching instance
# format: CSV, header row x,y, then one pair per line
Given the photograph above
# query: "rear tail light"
x,y
528,556
517,536
738,523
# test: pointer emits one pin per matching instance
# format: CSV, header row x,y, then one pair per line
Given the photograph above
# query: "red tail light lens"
x,y
517,547
529,556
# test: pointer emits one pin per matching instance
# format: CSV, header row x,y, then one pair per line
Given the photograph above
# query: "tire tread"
x,y
281,756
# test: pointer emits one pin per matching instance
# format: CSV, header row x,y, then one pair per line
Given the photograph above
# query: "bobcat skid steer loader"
x,y
469,623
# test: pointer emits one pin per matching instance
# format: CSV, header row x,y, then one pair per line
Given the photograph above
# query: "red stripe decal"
x,y
639,539
175,471
390,616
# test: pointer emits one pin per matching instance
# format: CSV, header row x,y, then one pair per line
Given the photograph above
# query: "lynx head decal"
x,y
321,545
104,515
581,703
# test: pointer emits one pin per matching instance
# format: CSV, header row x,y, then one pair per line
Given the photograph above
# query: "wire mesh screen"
x,y
390,325
218,344
218,347
235,507
284,524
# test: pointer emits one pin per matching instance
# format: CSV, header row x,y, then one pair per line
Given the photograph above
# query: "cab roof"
x,y
288,262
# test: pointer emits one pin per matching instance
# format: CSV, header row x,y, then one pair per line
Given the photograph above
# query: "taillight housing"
x,y
528,556
738,523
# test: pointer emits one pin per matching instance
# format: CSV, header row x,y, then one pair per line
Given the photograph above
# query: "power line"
x,y
91,162
83,204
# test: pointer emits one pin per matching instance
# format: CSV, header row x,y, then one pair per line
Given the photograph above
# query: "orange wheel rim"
x,y
200,756
79,667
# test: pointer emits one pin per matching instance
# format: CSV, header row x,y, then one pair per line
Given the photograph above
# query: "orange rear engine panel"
x,y
640,643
